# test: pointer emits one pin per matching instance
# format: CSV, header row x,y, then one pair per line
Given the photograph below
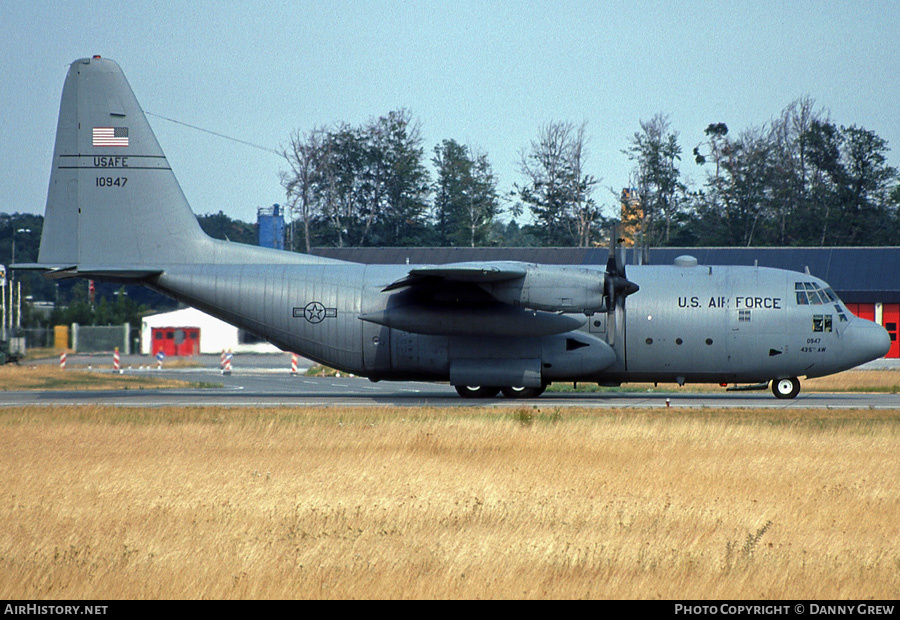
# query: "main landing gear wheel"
x,y
786,388
476,391
523,392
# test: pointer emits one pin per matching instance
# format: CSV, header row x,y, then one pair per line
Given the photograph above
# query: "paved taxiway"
x,y
267,381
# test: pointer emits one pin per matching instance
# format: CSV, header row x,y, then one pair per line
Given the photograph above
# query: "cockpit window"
x,y
840,311
810,293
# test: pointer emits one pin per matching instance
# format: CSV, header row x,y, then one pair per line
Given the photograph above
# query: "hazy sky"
x,y
486,73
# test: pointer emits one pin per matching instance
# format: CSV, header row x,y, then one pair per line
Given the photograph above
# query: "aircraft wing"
x,y
492,297
474,272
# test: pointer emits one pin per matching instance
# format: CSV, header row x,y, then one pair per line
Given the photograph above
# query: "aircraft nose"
x,y
866,341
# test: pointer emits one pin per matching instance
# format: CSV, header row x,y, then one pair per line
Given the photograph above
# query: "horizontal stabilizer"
x,y
42,267
94,272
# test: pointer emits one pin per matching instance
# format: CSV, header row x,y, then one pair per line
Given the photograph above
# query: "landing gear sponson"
x,y
482,391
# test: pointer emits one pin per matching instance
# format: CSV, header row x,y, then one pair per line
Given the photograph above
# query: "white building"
x,y
189,331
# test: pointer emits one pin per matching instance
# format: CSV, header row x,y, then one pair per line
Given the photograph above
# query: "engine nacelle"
x,y
495,320
554,288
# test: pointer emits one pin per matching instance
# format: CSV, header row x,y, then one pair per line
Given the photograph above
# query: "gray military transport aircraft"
x,y
115,212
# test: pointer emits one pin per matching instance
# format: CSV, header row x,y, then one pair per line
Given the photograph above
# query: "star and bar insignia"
x,y
315,312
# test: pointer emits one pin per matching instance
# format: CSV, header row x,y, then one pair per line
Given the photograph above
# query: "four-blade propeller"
x,y
618,287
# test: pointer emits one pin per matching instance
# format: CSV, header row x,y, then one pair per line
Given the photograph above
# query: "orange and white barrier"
x,y
116,367
62,361
294,364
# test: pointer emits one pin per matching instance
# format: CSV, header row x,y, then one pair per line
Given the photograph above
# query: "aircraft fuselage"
x,y
686,324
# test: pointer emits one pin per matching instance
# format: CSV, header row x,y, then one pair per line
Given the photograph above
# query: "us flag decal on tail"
x,y
110,136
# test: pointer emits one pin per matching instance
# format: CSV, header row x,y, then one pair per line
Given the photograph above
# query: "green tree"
x,y
557,190
357,186
465,196
220,226
112,306
302,155
823,207
866,189
398,175
794,213
76,310
347,206
25,230
738,199
656,153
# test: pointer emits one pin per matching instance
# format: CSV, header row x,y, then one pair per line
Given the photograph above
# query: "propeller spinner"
x,y
617,285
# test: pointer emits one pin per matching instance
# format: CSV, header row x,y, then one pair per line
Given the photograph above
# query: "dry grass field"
x,y
52,378
856,381
112,503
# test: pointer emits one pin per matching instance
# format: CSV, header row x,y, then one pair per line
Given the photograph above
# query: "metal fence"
x,y
37,337
82,338
99,339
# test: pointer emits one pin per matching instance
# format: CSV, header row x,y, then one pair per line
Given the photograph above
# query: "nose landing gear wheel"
x,y
786,388
476,391
523,392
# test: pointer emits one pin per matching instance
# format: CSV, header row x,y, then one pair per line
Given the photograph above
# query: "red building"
x,y
179,341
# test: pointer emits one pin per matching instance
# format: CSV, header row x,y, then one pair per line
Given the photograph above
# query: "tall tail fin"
x,y
114,208
113,197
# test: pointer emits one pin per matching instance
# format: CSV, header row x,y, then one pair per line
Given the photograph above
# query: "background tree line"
x,y
798,180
